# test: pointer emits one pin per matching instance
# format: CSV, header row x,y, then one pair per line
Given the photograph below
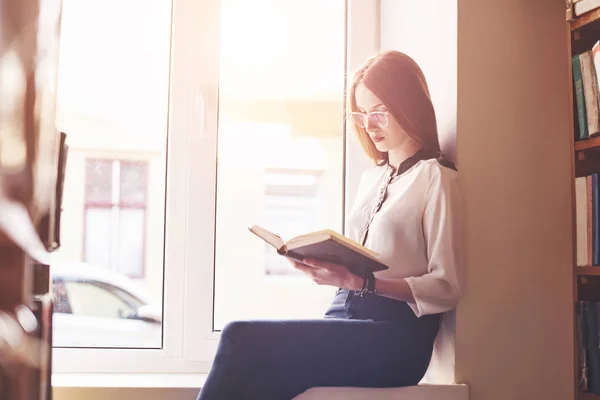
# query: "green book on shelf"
x,y
579,97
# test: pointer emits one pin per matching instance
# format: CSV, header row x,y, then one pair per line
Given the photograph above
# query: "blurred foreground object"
x,y
30,184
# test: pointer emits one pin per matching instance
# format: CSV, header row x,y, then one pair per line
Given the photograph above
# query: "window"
x,y
115,215
274,129
257,85
113,104
89,297
94,300
95,313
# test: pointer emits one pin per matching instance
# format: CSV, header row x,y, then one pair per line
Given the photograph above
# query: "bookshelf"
x,y
584,32
587,396
592,143
587,18
587,271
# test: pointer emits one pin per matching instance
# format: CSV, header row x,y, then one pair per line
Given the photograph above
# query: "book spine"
x,y
589,315
588,180
582,360
593,349
595,222
579,97
581,220
590,92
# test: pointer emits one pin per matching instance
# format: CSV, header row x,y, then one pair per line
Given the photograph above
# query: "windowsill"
x,y
195,381
75,380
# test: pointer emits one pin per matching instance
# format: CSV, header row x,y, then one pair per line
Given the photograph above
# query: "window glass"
x,y
280,150
113,104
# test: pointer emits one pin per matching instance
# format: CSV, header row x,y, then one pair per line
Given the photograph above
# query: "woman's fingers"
x,y
322,264
322,272
300,266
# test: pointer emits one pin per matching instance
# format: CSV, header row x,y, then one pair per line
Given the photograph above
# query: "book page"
x,y
267,236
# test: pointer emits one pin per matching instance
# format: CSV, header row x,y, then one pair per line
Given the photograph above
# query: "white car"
x,y
95,307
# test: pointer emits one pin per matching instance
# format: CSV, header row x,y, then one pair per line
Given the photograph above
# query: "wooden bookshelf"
x,y
585,19
588,144
582,271
583,32
588,396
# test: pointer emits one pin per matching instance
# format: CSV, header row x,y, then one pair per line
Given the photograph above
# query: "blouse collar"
x,y
405,165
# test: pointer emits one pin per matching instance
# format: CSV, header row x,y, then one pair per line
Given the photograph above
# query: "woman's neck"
x,y
400,154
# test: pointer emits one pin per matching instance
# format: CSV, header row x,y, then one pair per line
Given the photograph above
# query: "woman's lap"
x,y
280,359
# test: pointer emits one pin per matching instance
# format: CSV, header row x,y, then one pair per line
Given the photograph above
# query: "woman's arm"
x,y
325,273
439,289
396,289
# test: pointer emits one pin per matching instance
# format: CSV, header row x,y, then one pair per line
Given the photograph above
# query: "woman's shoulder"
x,y
440,170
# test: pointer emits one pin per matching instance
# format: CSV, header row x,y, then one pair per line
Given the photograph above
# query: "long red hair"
x,y
398,81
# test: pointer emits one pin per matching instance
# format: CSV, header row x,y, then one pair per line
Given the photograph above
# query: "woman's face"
x,y
382,127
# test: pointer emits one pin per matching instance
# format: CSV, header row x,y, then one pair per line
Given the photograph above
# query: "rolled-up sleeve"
x,y
439,289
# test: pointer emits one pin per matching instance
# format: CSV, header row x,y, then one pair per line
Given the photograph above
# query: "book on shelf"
x,y
324,245
581,7
587,220
587,327
581,343
586,91
581,116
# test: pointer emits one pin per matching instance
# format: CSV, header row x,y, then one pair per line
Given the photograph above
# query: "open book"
x,y
325,245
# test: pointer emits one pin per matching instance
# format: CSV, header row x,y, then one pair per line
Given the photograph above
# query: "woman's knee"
x,y
234,330
242,331
244,340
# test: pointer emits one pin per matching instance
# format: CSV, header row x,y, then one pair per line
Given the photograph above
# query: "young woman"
x,y
380,329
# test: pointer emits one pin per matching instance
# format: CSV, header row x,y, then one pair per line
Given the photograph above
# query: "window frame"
x,y
189,341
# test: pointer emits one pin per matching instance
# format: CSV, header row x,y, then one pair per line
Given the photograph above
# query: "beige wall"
x,y
514,327
431,42
428,34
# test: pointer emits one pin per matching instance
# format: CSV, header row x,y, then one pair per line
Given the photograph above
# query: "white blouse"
x,y
418,235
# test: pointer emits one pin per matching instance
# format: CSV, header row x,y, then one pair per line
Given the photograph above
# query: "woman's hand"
x,y
326,273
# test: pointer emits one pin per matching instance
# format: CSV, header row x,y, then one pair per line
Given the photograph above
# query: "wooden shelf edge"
x,y
586,144
585,19
587,396
580,271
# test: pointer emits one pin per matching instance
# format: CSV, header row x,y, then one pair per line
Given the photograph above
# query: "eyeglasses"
x,y
378,118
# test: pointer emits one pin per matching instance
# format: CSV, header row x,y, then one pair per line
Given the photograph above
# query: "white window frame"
x,y
189,342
